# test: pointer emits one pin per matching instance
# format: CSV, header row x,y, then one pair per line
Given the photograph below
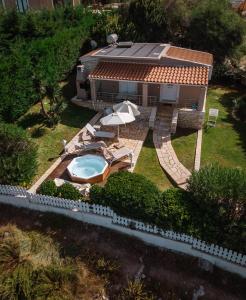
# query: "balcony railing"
x,y
117,97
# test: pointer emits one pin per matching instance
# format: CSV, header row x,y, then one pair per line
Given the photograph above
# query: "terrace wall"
x,y
104,216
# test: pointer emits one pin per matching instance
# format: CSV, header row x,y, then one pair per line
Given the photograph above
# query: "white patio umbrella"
x,y
127,107
116,119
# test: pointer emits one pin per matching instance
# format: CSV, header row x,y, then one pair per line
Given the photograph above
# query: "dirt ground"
x,y
166,274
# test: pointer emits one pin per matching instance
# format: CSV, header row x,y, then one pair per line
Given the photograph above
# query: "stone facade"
x,y
188,118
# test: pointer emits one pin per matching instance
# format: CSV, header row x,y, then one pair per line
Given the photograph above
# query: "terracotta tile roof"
x,y
151,73
242,6
190,55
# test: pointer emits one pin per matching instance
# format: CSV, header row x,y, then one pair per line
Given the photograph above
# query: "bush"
x,y
18,156
96,194
31,267
240,108
174,212
48,188
219,199
68,191
132,195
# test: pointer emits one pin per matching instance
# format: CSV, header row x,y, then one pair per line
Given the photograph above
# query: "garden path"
x,y
165,152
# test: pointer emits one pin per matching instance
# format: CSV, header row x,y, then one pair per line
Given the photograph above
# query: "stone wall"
x,y
189,118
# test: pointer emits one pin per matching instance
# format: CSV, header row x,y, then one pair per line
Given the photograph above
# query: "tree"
x,y
18,155
216,28
219,204
147,21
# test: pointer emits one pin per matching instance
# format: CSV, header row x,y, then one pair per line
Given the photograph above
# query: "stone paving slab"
x,y
166,154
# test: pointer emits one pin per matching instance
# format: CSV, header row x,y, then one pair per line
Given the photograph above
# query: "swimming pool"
x,y
88,168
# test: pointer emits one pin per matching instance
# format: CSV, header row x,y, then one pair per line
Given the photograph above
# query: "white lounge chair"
x,y
213,114
91,146
118,154
99,134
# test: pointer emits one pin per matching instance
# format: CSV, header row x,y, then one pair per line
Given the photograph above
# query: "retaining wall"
x,y
104,216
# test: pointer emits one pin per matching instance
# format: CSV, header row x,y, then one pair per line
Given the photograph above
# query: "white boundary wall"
x,y
103,216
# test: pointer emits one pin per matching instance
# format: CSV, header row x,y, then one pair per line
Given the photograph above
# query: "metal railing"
x,y
189,104
117,97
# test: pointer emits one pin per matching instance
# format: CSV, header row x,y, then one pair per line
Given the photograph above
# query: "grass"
x,y
226,143
49,140
184,144
148,165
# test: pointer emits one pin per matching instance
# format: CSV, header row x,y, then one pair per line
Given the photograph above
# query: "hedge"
x,y
18,156
130,195
66,191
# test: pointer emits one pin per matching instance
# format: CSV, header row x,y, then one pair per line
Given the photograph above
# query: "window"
x,y
128,87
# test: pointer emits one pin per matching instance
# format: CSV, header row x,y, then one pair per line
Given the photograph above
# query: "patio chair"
x,y
91,146
212,117
99,134
118,154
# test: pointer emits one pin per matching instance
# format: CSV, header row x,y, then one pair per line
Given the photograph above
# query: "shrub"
x,y
68,191
132,195
48,188
96,194
31,268
240,108
135,290
219,199
174,213
18,156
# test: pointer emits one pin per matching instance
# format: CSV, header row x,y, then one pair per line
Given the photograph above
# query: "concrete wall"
x,y
9,4
188,118
189,95
106,219
40,4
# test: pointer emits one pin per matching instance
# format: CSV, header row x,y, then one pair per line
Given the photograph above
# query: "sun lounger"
x,y
118,154
90,146
99,134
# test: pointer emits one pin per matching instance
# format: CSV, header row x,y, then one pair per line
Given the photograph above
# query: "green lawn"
x,y
148,165
49,139
226,143
184,144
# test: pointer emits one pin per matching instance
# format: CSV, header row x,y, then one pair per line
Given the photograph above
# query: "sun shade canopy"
x,y
192,75
127,107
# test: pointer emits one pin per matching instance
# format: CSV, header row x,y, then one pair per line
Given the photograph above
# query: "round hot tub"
x,y
88,168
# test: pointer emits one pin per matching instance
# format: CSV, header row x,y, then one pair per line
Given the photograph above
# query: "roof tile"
x,y
151,73
190,55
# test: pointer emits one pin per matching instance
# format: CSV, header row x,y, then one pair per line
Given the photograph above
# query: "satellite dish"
x,y
112,38
93,44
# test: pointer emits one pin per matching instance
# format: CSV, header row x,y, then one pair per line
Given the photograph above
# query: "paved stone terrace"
x,y
131,136
165,152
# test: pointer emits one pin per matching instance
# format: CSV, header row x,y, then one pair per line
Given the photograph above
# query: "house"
x,y
149,74
24,5
236,3
242,9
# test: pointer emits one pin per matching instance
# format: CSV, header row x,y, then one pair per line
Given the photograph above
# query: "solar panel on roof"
x,y
136,50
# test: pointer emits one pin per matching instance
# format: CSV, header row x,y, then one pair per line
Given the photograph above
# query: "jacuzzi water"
x,y
87,166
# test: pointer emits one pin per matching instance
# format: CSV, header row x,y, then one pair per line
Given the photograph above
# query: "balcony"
x,y
117,97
